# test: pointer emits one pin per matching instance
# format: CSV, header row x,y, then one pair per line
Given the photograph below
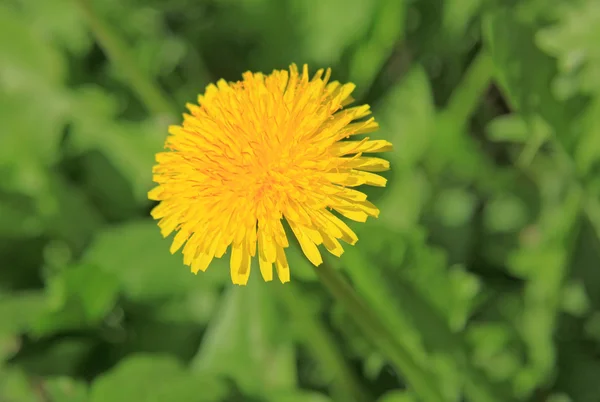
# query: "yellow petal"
x,y
201,262
266,268
178,241
347,234
359,128
332,245
372,179
282,266
309,248
349,147
155,193
368,164
239,264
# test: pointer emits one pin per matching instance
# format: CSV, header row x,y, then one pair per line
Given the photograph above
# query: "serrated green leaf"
x,y
424,309
511,43
492,350
573,40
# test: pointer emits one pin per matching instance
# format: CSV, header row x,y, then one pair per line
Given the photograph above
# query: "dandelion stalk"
x,y
467,94
117,51
377,332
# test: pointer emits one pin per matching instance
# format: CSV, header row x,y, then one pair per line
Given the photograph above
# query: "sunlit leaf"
x,y
245,343
154,379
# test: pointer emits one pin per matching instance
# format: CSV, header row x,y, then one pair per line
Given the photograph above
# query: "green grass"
x,y
480,281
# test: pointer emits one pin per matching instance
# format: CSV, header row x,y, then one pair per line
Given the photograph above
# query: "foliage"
x,y
484,264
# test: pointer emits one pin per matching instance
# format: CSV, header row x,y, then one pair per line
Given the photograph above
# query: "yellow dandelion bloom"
x,y
260,150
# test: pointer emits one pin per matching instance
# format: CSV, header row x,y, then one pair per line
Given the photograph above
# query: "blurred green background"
x,y
484,267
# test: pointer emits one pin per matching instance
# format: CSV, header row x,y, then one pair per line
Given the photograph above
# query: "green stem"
x,y
377,331
452,146
117,51
323,347
466,96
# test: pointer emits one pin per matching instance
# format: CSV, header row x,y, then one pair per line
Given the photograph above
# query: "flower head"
x,y
258,151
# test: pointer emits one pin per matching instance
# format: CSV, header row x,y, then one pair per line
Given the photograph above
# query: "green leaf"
x,y
385,31
79,296
377,292
574,299
407,119
587,152
578,373
428,304
18,217
544,265
573,39
245,342
458,14
67,213
505,213
137,255
303,315
27,62
129,146
493,350
66,389
397,396
510,43
9,346
155,378
455,207
25,141
197,307
18,311
27,148
322,42
507,128
63,357
297,396
510,40
15,386
59,21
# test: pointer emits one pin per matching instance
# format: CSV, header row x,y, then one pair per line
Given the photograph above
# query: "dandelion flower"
x,y
255,152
